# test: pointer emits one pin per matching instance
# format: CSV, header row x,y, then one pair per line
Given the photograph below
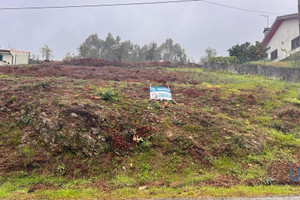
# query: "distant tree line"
x,y
115,49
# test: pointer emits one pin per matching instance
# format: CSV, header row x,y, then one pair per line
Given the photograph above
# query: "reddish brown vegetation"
x,y
120,142
249,98
279,171
100,73
126,141
289,117
194,92
102,63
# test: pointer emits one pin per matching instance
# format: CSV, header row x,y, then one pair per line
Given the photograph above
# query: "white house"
x,y
282,38
13,57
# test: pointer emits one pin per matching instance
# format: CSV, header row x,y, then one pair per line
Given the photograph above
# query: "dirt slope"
x,y
82,121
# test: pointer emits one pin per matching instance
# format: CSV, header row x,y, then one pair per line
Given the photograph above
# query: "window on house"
x,y
1,57
274,54
295,43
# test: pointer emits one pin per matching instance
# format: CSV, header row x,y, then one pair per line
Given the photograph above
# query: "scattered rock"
x,y
251,144
31,190
74,115
170,134
23,112
143,187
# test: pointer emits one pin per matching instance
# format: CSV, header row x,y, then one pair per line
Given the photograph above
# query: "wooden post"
x,y
150,93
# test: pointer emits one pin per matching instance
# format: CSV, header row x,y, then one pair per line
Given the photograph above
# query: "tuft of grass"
x,y
225,117
14,138
227,166
193,128
12,99
293,101
264,120
19,183
284,140
2,76
27,152
79,82
25,120
61,169
271,105
123,180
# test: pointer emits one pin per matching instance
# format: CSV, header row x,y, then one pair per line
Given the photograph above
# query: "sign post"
x,y
160,93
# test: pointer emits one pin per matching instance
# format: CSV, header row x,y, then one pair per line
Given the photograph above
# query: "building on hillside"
x,y
282,38
13,57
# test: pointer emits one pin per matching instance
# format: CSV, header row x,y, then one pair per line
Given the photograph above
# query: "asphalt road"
x,y
261,198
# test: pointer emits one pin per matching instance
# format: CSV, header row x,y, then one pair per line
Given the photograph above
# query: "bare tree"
x,y
46,53
209,52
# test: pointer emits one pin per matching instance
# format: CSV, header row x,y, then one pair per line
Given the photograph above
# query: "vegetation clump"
x,y
223,60
12,99
108,94
247,52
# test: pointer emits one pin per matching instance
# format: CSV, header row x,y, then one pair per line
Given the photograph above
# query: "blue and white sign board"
x,y
160,93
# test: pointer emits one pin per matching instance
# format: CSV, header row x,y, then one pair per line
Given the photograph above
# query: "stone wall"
x,y
287,74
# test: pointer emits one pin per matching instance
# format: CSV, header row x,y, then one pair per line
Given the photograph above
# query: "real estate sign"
x,y
160,93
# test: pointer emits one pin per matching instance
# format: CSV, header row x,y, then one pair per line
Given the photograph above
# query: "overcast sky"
x,y
195,25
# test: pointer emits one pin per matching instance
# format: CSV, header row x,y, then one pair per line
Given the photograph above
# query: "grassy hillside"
x,y
292,61
66,129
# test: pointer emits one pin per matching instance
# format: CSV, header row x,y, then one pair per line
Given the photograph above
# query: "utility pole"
x,y
299,14
267,17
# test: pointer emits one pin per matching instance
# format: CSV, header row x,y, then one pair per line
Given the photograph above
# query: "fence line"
x,y
282,73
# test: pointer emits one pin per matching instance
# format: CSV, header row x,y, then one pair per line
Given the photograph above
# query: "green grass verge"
x,y
163,192
289,64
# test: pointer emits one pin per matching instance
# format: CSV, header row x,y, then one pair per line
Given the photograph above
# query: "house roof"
x,y
12,50
276,25
4,50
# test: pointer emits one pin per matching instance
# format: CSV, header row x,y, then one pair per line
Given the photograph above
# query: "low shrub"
x,y
223,60
107,94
